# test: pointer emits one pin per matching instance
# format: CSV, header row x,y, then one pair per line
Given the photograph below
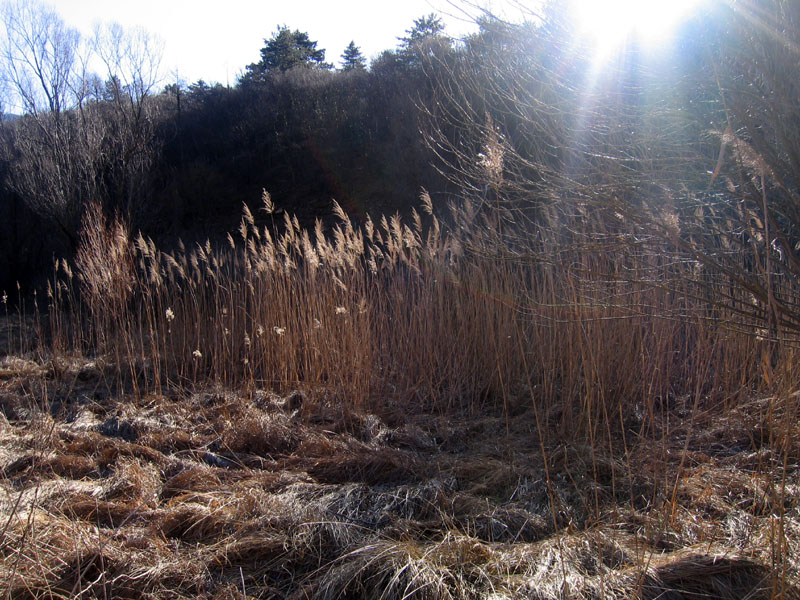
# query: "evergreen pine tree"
x,y
425,38
352,59
285,50
425,28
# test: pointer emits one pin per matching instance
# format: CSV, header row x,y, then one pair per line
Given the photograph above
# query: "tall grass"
x,y
589,321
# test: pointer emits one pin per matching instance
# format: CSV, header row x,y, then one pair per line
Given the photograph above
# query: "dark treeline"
x,y
180,161
305,132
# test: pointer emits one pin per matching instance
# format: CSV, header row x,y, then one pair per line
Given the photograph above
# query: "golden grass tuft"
x,y
705,576
373,467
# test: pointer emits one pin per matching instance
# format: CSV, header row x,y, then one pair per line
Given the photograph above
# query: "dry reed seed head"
x,y
326,245
319,234
155,279
353,242
746,154
288,227
416,219
341,310
397,228
194,262
252,250
427,203
197,355
283,245
339,212
491,159
340,241
266,199
411,238
369,228
279,331
152,247
259,331
140,244
267,243
309,252
247,215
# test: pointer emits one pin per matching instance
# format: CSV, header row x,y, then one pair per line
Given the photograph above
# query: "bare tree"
x,y
39,55
41,67
131,59
79,140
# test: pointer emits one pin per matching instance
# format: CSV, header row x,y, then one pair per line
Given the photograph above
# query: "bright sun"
x,y
611,22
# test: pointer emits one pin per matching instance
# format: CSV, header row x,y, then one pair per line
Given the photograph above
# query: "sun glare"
x,y
610,23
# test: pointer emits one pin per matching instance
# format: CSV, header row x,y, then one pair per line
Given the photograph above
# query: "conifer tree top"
x,y
285,50
352,59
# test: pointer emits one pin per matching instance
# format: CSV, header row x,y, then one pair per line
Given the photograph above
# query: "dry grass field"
x,y
394,412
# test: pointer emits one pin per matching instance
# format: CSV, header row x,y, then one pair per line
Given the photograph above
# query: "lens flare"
x,y
610,23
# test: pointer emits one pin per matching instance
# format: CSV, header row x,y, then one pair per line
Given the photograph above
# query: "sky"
x,y
215,40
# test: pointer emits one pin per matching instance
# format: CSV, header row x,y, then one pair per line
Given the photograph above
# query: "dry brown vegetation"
x,y
579,381
397,411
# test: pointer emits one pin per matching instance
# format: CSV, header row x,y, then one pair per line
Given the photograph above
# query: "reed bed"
x,y
441,408
582,317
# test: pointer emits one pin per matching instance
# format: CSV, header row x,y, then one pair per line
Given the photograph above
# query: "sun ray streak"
x,y
612,23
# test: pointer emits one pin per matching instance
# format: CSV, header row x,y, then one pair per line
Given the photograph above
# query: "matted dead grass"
x,y
215,494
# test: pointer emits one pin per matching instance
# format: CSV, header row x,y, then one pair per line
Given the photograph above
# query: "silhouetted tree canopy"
x,y
352,59
425,39
285,50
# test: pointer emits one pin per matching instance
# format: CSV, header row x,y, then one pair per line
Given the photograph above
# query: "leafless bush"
x,y
73,146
